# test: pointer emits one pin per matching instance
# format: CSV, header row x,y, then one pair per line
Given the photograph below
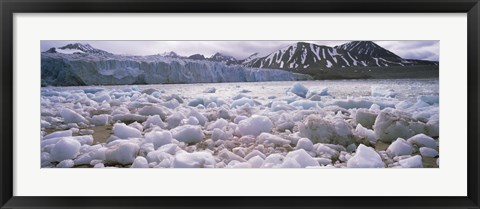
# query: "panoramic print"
x,y
239,104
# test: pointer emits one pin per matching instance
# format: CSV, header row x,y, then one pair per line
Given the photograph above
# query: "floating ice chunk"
x,y
389,126
239,118
382,92
70,116
123,131
188,133
273,160
428,152
56,134
364,133
412,162
153,110
210,90
317,93
305,144
194,160
400,147
365,117
299,90
243,101
255,125
140,162
220,124
154,120
255,162
422,140
121,152
175,120
68,163
430,99
305,104
317,129
65,148
302,158
266,138
365,157
129,117
159,138
255,153
190,121
100,120
218,134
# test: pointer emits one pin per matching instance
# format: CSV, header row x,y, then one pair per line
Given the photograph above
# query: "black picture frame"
x,y
10,7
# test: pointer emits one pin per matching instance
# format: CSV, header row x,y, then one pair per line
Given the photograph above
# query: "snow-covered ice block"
x,y
56,134
266,138
123,131
412,162
139,162
219,123
365,157
378,91
210,90
121,152
194,160
84,140
154,120
243,101
273,160
188,133
70,116
400,147
154,110
428,152
302,158
256,161
175,120
305,144
159,138
365,117
100,120
65,148
255,125
299,90
422,140
318,129
389,126
367,134
68,163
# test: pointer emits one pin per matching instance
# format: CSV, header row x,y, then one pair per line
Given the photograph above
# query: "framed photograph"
x,y
216,104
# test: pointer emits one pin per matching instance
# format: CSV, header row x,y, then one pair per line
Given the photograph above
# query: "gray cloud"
x,y
427,50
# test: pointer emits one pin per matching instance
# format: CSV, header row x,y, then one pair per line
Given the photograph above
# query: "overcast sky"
x,y
425,50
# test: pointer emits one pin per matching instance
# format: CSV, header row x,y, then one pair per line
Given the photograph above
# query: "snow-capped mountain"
x,y
217,57
77,48
353,54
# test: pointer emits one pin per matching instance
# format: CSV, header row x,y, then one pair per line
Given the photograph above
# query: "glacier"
x,y
80,69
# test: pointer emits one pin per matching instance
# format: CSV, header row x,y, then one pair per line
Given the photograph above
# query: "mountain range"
x,y
298,56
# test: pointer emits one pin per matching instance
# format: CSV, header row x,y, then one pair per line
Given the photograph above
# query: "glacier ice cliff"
x,y
94,69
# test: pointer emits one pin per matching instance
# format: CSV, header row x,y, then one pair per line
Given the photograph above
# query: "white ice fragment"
x,y
243,101
188,133
400,147
365,157
140,162
121,152
382,92
302,158
256,161
365,117
364,133
210,90
422,140
194,160
428,152
56,134
299,90
123,131
305,144
266,138
175,120
154,120
70,116
159,138
100,120
412,162
190,121
219,123
255,125
273,160
65,148
68,163
389,126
